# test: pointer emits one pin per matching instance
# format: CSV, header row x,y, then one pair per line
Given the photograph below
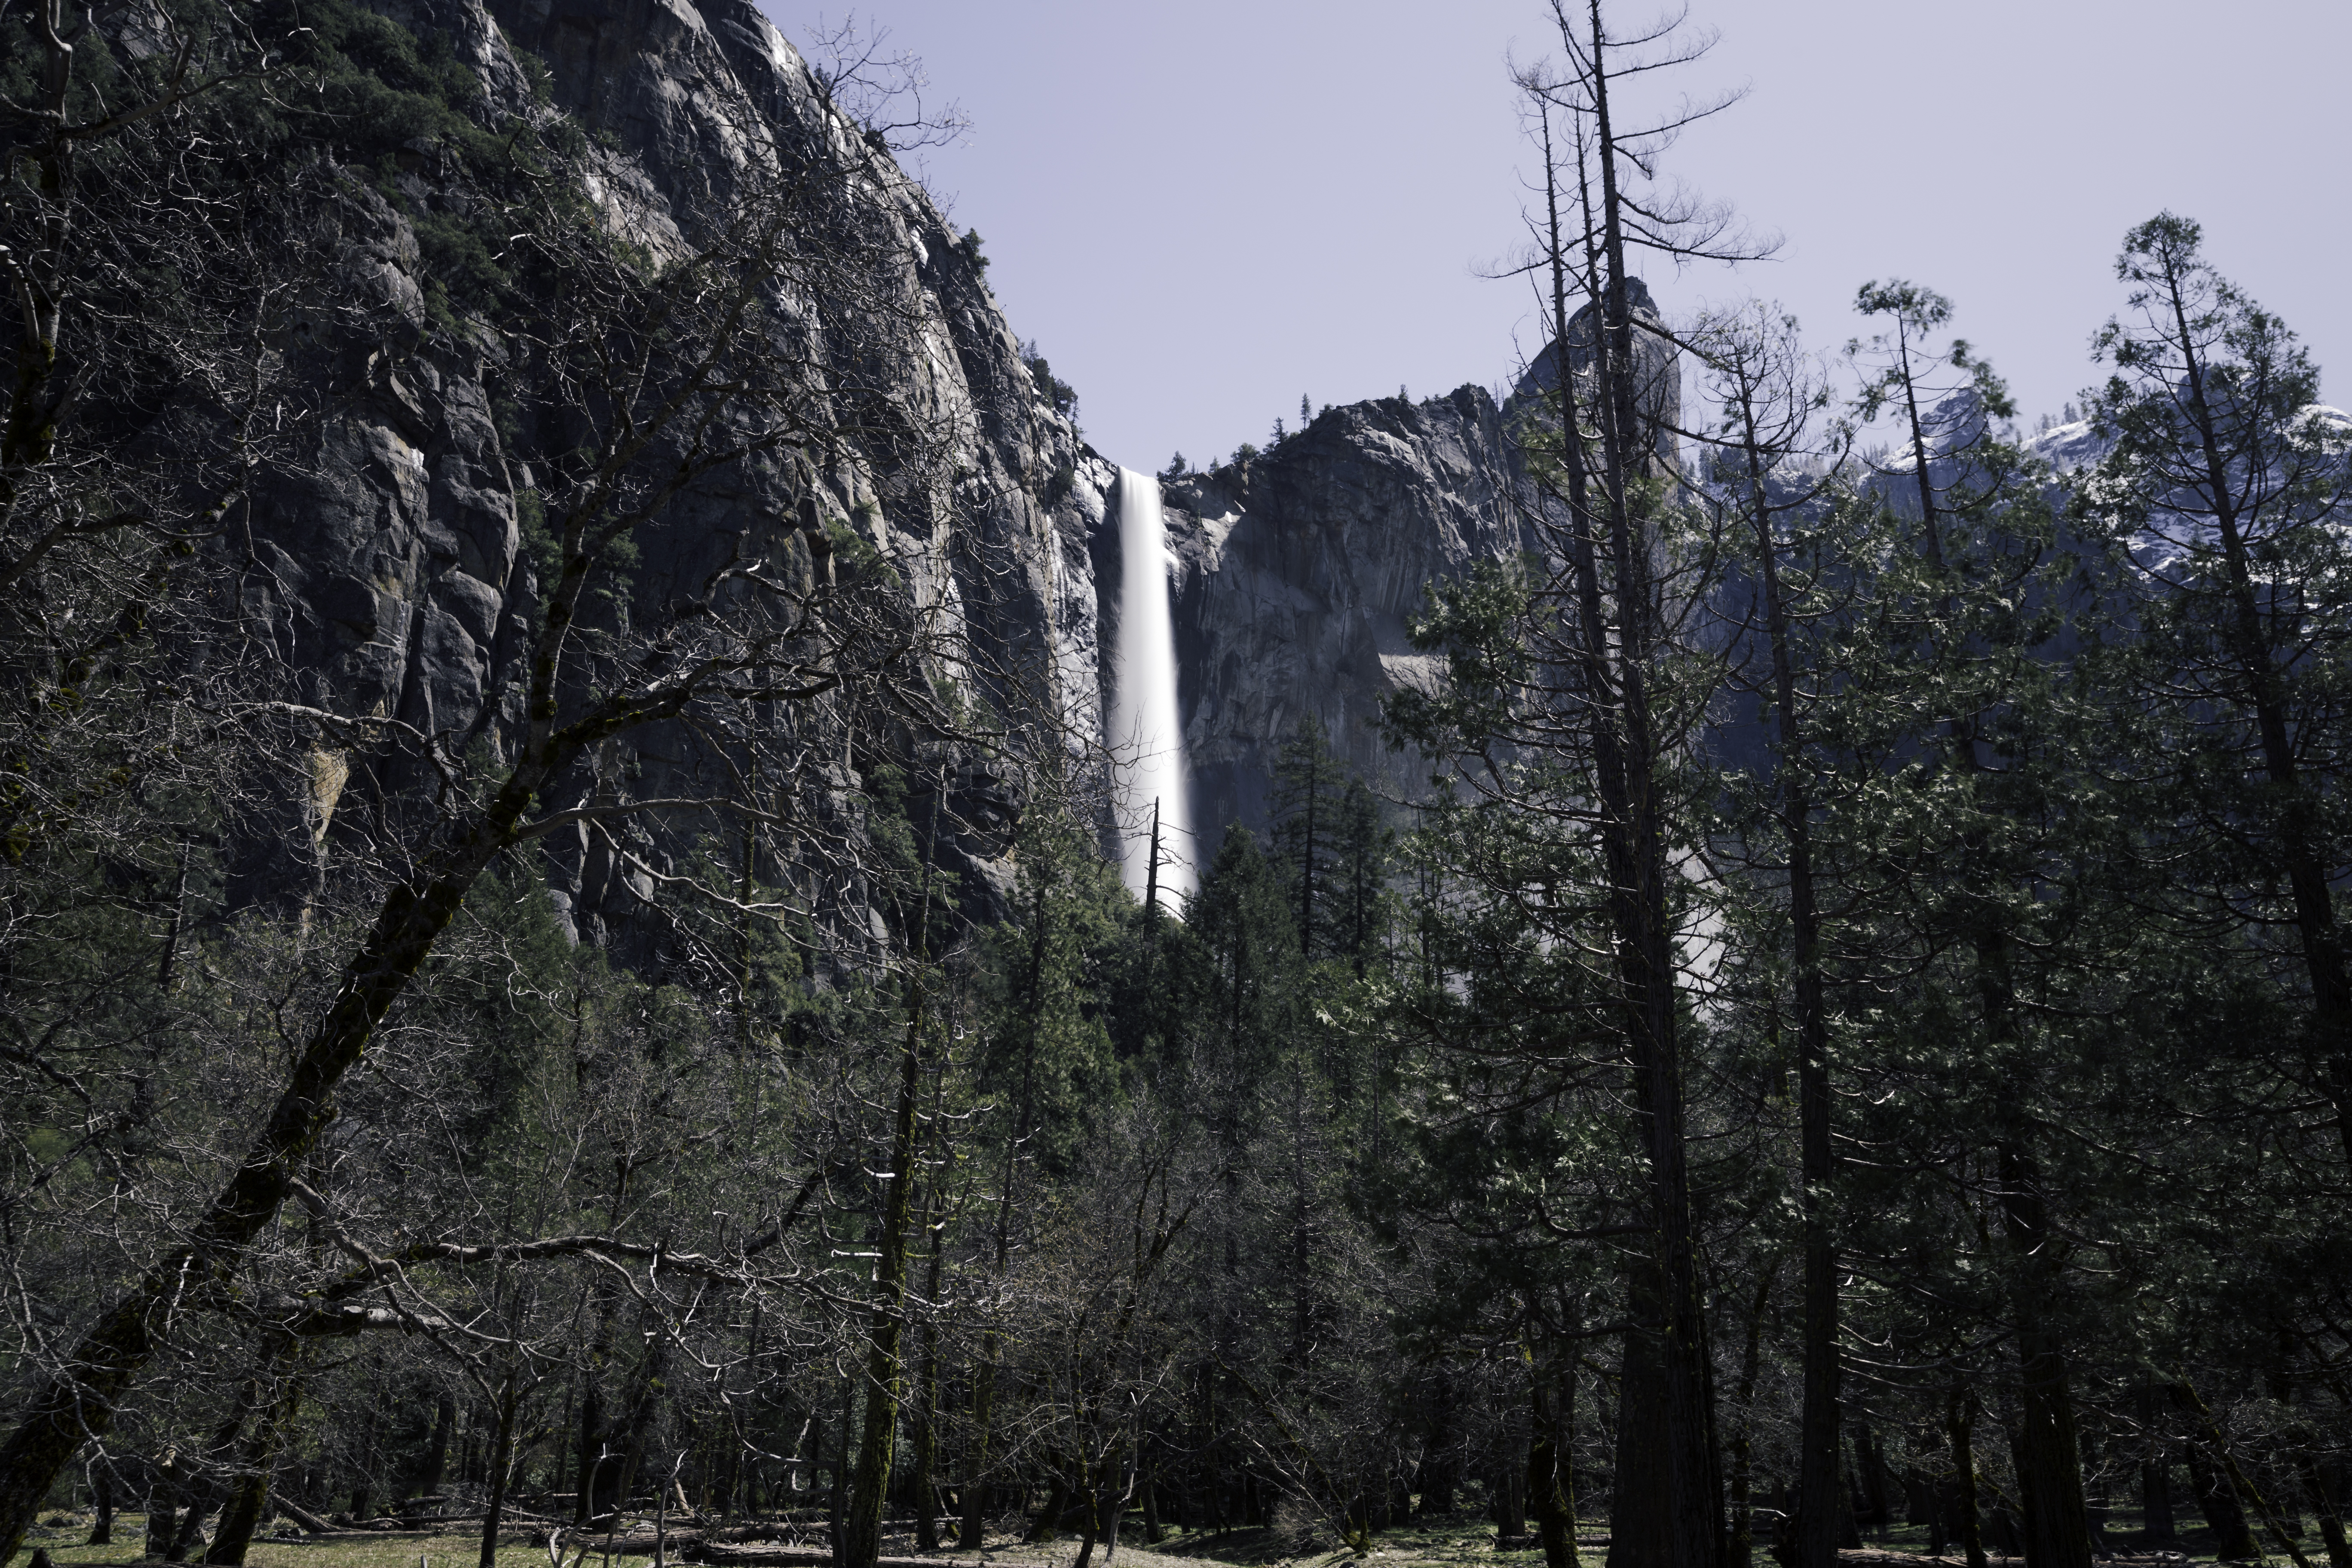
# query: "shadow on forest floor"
x,y
1443,1541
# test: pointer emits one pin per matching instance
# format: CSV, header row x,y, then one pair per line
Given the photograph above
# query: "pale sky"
x,y
1200,211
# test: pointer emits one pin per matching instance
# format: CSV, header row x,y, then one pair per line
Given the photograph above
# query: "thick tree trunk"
x,y
1511,1500
249,1498
1437,1456
590,1454
1551,1485
2233,1538
1869,1468
837,1500
2049,1463
2234,1482
1641,1532
1119,1486
1634,834
1850,1504
975,1524
2157,1526
192,1526
1820,1418
974,1529
2323,1503
2048,1454
1090,1511
1047,1525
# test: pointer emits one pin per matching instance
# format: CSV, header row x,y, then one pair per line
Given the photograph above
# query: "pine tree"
x,y
2231,495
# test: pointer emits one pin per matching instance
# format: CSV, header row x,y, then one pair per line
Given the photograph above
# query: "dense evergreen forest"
x,y
1856,1030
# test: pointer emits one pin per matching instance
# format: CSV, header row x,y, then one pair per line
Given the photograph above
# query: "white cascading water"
x,y
1146,730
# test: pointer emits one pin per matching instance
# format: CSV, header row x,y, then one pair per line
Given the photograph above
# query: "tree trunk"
x,y
192,1531
2238,1486
972,1530
2049,1464
1821,1416
2323,1503
164,1508
437,1446
1048,1526
1090,1507
1634,834
1850,1502
2157,1526
975,1524
1641,1534
2048,1455
860,1542
1870,1474
102,1492
1740,1546
1550,1481
921,1482
837,1488
249,1498
501,1463
1118,1488
1510,1499
2234,1539
1967,1527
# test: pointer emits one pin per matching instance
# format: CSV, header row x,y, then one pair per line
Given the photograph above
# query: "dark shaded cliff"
x,y
392,566
1302,569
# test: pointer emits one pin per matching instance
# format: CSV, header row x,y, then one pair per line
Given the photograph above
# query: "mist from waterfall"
x,y
1146,730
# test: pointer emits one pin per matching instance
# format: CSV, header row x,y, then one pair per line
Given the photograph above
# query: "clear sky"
x,y
1201,210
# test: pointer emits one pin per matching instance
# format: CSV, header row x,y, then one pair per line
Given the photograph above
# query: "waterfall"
x,y
1146,731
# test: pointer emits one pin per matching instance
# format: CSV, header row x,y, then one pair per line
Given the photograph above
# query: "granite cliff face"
x,y
1299,572
391,567
396,576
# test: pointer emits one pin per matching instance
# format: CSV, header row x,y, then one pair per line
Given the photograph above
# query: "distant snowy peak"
x,y
2080,443
2066,447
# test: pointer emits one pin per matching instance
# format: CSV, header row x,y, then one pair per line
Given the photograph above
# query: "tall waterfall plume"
x,y
1146,730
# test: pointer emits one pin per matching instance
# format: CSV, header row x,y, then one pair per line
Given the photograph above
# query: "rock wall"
x,y
389,563
393,572
1300,570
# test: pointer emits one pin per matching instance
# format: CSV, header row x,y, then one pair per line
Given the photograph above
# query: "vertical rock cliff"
x,y
393,568
1302,568
391,563
1300,571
